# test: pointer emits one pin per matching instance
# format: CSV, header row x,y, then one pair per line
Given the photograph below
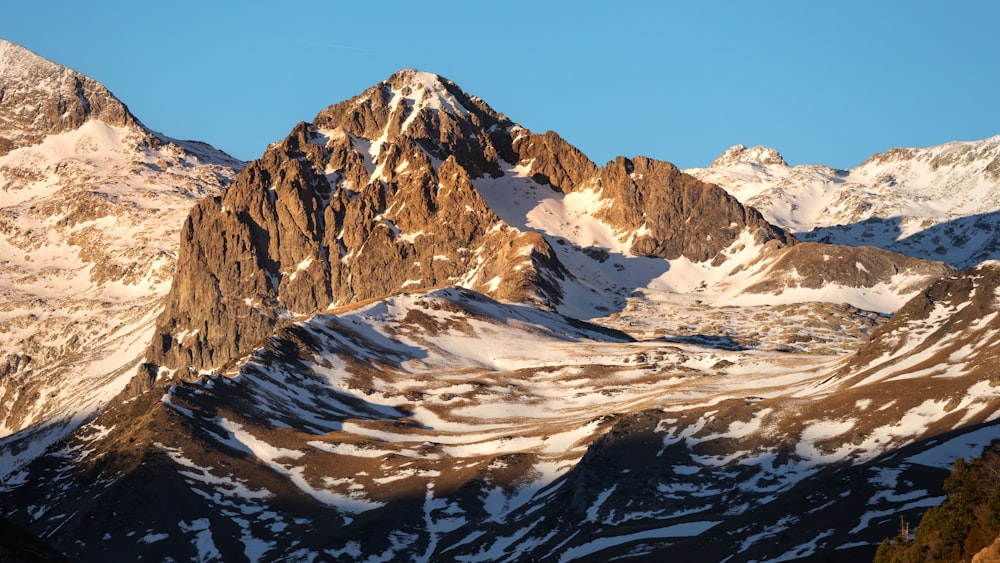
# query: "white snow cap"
x,y
426,89
753,155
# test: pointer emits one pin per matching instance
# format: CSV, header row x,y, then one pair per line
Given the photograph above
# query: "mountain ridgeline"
x,y
378,195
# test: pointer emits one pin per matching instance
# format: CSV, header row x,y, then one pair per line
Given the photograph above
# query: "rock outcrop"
x,y
677,214
989,554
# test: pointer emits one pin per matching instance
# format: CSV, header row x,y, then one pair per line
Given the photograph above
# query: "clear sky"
x,y
822,82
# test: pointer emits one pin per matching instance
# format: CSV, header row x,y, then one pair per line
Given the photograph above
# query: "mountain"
x,y
415,184
415,330
445,425
938,203
92,202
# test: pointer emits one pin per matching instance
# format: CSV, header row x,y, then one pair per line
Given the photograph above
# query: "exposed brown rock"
x,y
683,216
989,554
553,161
316,222
813,265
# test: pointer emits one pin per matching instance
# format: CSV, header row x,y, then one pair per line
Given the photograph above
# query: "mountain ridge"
x,y
411,182
41,98
935,202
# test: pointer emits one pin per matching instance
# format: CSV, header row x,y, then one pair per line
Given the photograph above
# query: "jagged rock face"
x,y
39,98
374,198
430,111
553,161
681,216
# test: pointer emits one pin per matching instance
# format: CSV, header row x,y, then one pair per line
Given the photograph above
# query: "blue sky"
x,y
822,82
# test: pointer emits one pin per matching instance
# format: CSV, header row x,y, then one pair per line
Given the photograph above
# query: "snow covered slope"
x,y
938,203
89,217
447,426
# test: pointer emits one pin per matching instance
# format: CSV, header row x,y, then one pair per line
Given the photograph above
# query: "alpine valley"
x,y
414,330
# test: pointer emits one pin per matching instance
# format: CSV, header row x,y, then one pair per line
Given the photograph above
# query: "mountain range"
x,y
416,330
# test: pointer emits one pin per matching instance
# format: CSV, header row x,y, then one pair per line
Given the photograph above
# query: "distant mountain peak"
x,y
753,155
418,79
977,156
40,97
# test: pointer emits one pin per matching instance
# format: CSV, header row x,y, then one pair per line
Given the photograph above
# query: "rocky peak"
x,y
429,111
39,97
678,214
373,198
428,90
754,155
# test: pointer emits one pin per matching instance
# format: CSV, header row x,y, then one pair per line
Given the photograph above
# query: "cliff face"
x,y
678,214
415,184
373,198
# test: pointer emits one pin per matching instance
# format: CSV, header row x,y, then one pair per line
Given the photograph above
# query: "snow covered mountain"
x,y
414,330
939,203
91,203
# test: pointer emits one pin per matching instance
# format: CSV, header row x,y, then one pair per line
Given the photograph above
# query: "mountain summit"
x,y
415,184
934,203
754,155
39,97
